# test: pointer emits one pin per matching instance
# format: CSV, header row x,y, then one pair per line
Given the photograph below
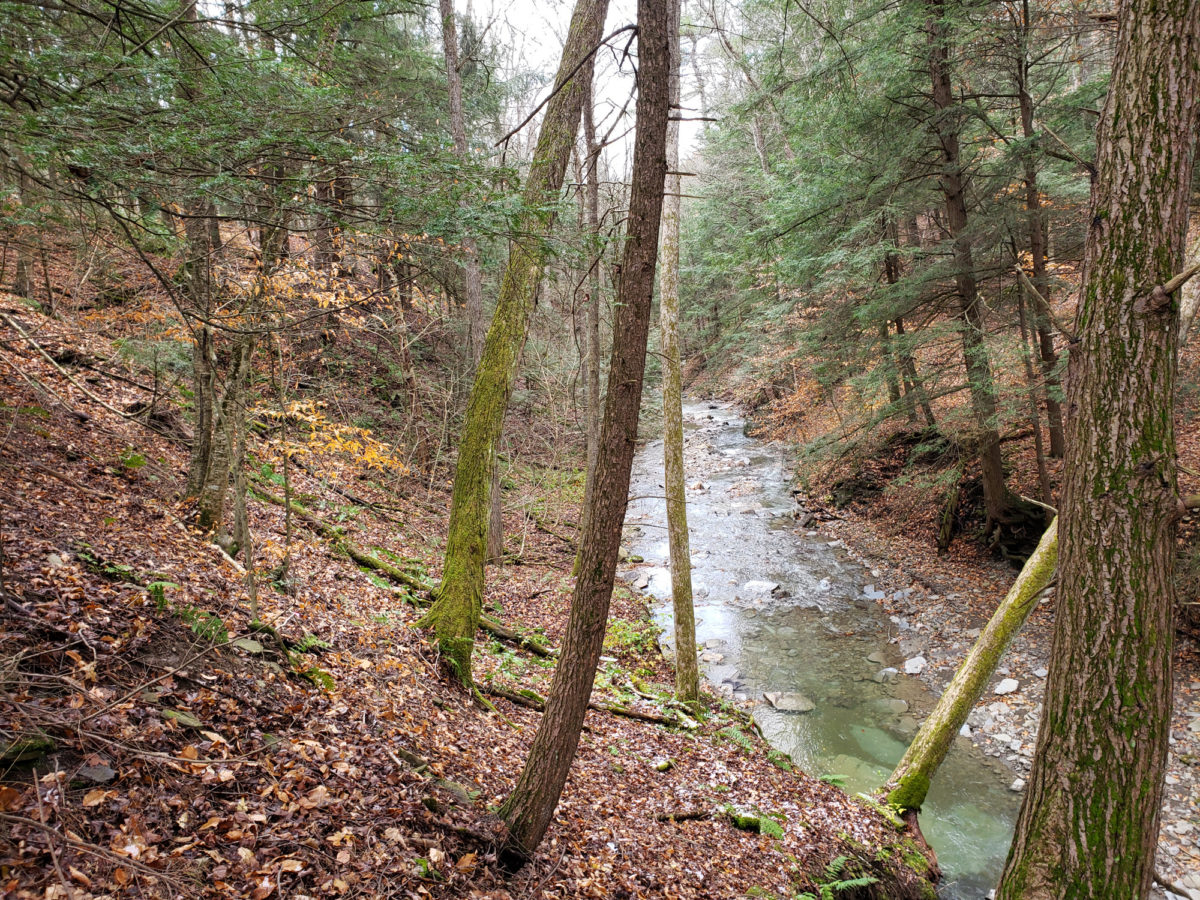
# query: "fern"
x,y
736,735
769,827
311,642
835,883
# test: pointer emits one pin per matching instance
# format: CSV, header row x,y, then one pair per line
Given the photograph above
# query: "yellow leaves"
x,y
327,436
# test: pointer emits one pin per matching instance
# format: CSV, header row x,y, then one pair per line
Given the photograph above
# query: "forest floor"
x,y
156,745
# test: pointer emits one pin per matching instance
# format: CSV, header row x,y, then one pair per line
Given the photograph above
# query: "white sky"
x,y
536,30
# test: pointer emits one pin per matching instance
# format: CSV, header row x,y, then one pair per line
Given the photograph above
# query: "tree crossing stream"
x,y
787,620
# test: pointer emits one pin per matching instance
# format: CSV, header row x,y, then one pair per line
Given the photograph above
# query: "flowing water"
x,y
784,611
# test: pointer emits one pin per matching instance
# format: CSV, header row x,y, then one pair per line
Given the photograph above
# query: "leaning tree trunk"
x,y
531,805
952,180
687,674
455,613
910,781
1089,824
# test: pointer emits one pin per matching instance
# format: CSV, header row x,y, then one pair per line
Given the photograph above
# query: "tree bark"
x,y
472,275
910,781
1189,300
594,353
455,613
1037,247
952,180
687,673
1035,419
1089,824
530,807
914,384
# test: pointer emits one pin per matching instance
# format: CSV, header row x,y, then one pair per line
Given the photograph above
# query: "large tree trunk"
x,y
910,781
687,674
952,180
455,612
531,805
1037,247
1089,824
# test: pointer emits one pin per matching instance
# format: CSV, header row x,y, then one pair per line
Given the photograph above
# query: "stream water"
x,y
786,612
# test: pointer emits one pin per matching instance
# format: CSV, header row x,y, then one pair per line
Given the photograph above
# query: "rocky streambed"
x,y
790,622
843,652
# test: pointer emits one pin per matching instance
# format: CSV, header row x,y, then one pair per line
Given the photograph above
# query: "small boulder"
x,y
1007,686
789,702
886,676
915,666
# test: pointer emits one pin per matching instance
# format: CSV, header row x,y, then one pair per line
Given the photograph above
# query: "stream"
x,y
785,612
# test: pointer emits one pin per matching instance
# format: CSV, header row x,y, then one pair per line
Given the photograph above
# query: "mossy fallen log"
x,y
337,536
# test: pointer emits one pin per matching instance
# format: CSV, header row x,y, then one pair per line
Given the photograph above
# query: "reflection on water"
x,y
782,613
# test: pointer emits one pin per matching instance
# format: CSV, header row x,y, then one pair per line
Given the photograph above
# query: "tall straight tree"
x,y
687,676
953,181
472,276
530,807
1089,824
455,613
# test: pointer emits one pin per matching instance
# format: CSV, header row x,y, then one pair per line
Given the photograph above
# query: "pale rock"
x,y
877,657
886,676
915,666
1017,786
1007,686
789,701
1042,672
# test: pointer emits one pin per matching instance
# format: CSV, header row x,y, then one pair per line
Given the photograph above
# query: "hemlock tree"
x,y
687,676
531,805
472,274
455,613
1089,824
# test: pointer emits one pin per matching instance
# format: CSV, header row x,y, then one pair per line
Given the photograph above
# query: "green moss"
x,y
910,792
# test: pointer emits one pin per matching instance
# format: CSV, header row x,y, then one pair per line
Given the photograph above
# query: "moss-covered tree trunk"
x,y
1089,824
910,781
687,674
953,182
454,615
530,807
